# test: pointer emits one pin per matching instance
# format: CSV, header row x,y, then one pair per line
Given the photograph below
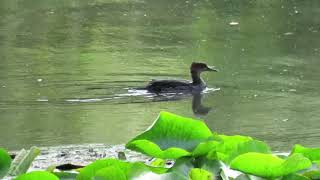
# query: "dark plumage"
x,y
183,86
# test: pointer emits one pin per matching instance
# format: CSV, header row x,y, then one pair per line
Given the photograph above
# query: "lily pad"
x,y
37,175
312,153
233,146
171,131
200,174
268,165
110,173
152,149
100,169
205,147
5,162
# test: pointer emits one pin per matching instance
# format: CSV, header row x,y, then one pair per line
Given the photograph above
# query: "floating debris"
x,y
288,33
233,23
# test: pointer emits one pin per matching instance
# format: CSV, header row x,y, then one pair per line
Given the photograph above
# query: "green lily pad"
x,y
65,175
200,174
205,147
110,173
171,131
90,171
99,169
37,175
312,153
233,146
152,149
268,165
5,162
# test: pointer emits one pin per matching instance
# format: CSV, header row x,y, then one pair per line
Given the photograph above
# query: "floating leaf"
x,y
65,175
200,174
233,146
268,165
90,171
171,131
205,147
23,161
5,162
152,149
312,153
37,175
129,169
110,173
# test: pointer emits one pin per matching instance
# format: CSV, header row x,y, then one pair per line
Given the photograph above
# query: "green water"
x,y
66,66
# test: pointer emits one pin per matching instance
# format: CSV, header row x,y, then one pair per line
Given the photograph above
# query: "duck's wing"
x,y
168,85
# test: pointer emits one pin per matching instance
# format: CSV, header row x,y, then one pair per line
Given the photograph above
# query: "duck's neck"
x,y
196,79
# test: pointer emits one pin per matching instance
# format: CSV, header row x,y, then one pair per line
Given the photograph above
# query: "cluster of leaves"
x,y
196,153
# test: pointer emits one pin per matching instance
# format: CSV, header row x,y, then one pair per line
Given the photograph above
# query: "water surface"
x,y
67,68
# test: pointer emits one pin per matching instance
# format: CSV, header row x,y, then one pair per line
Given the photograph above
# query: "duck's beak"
x,y
212,68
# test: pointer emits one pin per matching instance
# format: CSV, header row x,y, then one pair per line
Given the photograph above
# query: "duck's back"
x,y
163,86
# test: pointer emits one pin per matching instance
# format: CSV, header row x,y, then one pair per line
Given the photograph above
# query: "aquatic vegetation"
x,y
200,174
5,161
268,165
312,153
183,149
37,175
22,161
171,136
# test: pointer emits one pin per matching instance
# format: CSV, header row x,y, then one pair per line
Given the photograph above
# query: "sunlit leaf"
x,y
171,131
152,149
129,169
205,147
233,146
200,174
5,162
37,175
65,175
312,153
90,171
110,173
267,165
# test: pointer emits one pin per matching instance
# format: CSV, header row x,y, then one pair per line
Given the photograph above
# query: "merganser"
x,y
182,86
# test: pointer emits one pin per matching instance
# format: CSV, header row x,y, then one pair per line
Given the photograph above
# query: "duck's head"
x,y
201,67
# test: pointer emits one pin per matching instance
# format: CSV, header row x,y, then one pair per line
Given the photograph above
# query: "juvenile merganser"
x,y
197,84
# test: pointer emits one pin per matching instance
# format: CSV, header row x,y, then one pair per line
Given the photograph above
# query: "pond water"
x,y
67,69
